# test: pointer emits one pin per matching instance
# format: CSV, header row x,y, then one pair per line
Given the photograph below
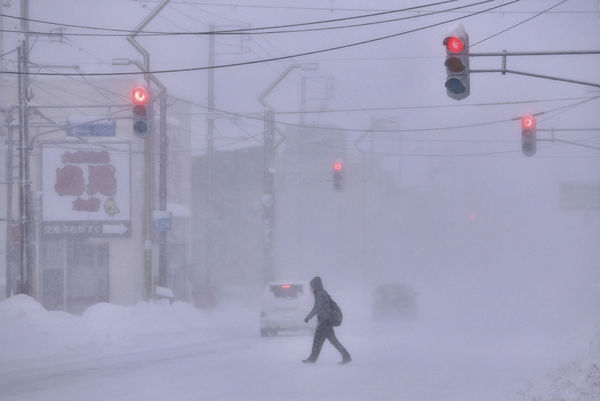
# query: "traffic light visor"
x,y
454,85
454,64
140,95
140,110
140,127
454,44
528,122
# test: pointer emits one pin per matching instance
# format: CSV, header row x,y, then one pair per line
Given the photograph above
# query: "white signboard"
x,y
86,189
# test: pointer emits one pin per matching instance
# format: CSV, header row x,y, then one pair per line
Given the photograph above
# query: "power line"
x,y
454,155
244,30
439,106
520,23
244,63
253,31
560,109
338,9
9,52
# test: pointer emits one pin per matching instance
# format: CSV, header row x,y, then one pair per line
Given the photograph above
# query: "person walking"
x,y
324,330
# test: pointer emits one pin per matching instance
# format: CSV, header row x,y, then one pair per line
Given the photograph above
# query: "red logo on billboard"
x,y
69,181
86,205
101,178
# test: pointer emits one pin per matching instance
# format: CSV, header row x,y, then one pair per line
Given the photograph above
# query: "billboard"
x,y
86,189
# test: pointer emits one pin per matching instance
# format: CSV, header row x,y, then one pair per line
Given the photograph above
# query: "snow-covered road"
x,y
230,361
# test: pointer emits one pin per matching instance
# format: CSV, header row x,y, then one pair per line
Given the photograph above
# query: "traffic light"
x,y
528,135
457,64
142,111
338,175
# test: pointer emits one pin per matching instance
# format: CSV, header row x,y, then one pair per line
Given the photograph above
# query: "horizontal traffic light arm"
x,y
583,145
544,53
530,74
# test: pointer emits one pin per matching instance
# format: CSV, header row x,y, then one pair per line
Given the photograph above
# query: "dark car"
x,y
395,300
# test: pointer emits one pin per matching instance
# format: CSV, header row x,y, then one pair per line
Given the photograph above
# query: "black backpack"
x,y
335,316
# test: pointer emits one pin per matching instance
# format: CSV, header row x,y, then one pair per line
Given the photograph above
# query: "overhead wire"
x,y
562,109
519,23
427,129
302,54
437,129
9,52
434,106
128,31
255,31
334,9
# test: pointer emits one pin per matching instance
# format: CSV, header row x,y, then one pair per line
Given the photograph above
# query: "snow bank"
x,y
575,381
28,330
146,318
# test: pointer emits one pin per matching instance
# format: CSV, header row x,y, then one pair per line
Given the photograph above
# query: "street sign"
x,y
162,220
86,229
77,127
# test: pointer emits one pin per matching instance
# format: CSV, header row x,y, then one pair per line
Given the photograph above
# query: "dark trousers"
x,y
325,331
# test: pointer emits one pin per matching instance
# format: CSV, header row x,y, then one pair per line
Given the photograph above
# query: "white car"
x,y
284,306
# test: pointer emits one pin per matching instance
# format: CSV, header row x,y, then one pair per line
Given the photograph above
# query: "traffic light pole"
x,y
148,287
505,54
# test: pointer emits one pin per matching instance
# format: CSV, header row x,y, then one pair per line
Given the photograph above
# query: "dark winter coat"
x,y
322,306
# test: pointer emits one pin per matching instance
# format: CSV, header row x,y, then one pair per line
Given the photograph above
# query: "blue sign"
x,y
162,220
97,129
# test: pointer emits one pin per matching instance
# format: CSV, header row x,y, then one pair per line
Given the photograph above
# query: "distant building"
x,y
88,195
228,234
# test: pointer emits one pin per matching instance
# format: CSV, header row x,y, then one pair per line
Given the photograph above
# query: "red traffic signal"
x,y
528,135
457,64
454,44
338,175
141,111
140,95
528,122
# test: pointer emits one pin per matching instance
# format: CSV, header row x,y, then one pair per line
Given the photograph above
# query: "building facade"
x,y
88,240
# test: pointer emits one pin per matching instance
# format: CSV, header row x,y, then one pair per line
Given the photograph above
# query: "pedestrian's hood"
x,y
316,283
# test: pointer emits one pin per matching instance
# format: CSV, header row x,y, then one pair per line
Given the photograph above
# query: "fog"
x,y
500,248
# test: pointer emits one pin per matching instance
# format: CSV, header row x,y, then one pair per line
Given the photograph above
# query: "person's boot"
x,y
310,359
347,359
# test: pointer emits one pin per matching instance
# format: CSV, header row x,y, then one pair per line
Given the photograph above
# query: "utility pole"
x,y
25,218
11,254
367,167
210,149
268,199
162,190
147,154
269,194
